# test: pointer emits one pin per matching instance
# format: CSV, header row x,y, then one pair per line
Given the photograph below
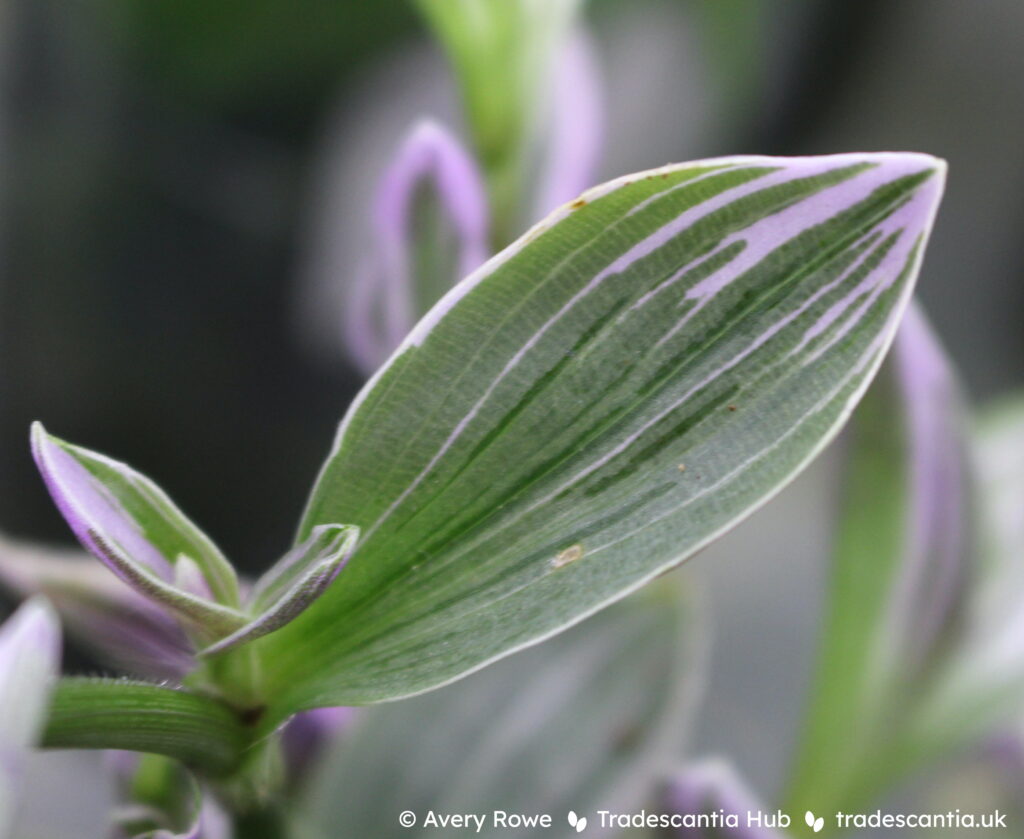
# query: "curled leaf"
x,y
131,526
289,588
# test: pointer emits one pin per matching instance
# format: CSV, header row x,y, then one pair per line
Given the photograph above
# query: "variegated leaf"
x,y
626,382
562,726
131,526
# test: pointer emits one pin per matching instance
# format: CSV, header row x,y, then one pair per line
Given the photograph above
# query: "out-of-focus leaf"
x,y
711,800
429,230
131,525
29,663
503,53
589,720
982,690
119,625
898,575
163,800
119,714
570,145
633,377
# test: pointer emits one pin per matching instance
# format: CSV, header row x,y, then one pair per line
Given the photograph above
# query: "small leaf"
x,y
725,314
93,491
502,54
429,230
555,728
29,663
133,528
288,589
898,576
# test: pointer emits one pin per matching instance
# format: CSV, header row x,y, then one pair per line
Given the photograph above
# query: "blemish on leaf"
x,y
681,467
579,202
570,554
732,407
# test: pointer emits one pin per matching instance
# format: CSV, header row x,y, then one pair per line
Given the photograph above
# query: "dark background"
x,y
159,159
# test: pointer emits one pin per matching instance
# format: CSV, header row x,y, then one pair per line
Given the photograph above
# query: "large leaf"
x,y
602,399
898,576
590,721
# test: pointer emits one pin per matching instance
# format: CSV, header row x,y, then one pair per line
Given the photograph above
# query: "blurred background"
x,y
182,181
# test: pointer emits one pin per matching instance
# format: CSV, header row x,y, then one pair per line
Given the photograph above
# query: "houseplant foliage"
x,y
587,409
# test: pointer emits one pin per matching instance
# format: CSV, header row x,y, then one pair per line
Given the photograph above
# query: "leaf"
x,y
517,464
502,52
29,663
706,793
128,522
429,229
981,691
119,714
120,626
299,578
560,727
899,576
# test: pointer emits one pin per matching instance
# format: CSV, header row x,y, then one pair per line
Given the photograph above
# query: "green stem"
x,y
116,714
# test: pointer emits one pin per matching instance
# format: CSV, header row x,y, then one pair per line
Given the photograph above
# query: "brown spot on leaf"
x,y
570,554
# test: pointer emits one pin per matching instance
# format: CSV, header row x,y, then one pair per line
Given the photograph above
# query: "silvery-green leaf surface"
x,y
900,574
630,379
592,719
29,664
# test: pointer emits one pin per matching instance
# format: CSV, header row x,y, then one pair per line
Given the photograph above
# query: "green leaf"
x,y
502,51
119,714
131,514
294,582
898,577
595,404
560,727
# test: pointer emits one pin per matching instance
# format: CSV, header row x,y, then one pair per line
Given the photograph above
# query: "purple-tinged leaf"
x,y
309,734
572,143
414,260
118,504
515,465
127,522
289,588
712,800
29,664
123,628
899,575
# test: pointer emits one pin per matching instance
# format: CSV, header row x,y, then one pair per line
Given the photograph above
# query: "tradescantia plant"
x,y
629,379
588,408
